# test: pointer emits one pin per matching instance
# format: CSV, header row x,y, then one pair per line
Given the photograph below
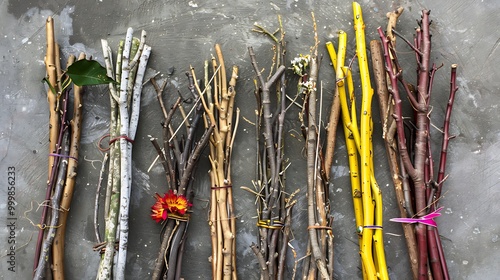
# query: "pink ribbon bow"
x,y
426,220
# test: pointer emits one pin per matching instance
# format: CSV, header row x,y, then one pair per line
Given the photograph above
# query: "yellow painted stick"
x,y
338,61
332,54
365,140
353,150
352,123
343,74
367,173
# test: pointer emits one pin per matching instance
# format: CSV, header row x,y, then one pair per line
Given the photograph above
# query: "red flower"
x,y
158,212
169,203
176,204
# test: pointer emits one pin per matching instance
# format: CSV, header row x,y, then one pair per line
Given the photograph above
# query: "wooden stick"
x,y
76,124
44,259
333,121
391,148
52,97
53,100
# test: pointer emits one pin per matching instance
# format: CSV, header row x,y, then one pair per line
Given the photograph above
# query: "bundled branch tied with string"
x,y
319,261
65,128
366,193
179,154
218,100
125,102
274,203
421,189
213,109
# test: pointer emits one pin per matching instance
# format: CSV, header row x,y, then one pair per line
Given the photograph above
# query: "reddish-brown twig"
x,y
421,169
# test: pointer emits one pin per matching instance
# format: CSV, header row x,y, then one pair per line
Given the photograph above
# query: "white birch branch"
x,y
136,98
125,160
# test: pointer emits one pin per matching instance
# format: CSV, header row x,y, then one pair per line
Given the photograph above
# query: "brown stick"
x,y
224,122
273,239
229,146
50,65
44,259
391,23
261,261
391,148
332,133
312,161
284,243
160,260
219,195
267,115
76,124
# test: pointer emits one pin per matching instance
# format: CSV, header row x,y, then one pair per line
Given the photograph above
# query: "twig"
x,y
192,109
266,101
392,19
70,181
161,260
222,219
433,232
261,261
386,109
98,190
159,94
43,261
179,172
446,130
285,242
312,157
406,41
270,169
374,262
128,128
332,123
53,100
125,157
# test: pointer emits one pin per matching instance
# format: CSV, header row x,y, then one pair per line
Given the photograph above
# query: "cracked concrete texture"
x,y
183,33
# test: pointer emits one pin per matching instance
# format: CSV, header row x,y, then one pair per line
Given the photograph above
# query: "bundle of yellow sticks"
x,y
367,197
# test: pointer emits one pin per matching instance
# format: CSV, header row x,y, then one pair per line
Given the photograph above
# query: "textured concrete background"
x,y
183,33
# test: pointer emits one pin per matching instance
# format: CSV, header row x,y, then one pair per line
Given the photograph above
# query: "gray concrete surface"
x,y
183,33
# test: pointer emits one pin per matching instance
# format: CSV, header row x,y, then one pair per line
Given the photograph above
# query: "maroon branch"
x,y
421,105
420,168
437,259
400,182
446,131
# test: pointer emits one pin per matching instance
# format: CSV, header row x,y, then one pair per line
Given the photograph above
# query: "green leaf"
x,y
88,72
